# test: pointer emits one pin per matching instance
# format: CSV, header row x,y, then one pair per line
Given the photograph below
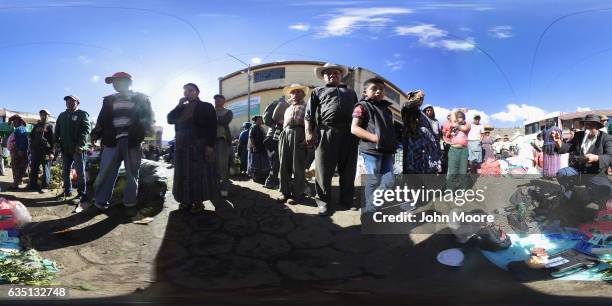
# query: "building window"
x,y
392,94
270,74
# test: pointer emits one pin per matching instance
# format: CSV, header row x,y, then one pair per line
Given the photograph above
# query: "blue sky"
x,y
475,54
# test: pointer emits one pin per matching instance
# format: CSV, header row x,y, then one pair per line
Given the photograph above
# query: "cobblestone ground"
x,y
249,248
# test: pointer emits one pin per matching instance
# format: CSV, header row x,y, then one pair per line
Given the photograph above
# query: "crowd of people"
x,y
331,126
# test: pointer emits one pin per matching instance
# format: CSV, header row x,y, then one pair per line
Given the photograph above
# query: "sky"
x,y
506,60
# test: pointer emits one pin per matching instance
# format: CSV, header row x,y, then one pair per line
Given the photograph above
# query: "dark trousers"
x,y
337,147
273,157
37,160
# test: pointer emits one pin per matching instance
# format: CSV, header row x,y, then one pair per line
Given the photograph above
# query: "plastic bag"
x,y
21,213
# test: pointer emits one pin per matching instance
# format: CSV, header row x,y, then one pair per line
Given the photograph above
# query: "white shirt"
x,y
587,143
475,132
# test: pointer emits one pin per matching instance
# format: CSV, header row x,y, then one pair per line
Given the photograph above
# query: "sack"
x,y
268,118
20,212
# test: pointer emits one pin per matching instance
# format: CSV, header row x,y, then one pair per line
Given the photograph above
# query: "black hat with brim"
x,y
592,119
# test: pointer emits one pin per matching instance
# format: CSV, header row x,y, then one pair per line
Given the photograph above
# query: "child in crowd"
x,y
458,152
373,125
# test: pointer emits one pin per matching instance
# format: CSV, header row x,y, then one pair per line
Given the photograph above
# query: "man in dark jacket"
x,y
328,118
124,121
41,152
590,153
71,131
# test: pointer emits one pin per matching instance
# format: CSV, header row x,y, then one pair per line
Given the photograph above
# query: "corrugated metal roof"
x,y
580,115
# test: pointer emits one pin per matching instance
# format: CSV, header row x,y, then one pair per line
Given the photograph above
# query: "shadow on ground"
x,y
252,250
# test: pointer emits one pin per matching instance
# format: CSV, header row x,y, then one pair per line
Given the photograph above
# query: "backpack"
x,y
268,112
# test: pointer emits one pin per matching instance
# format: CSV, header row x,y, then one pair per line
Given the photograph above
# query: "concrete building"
x,y
268,80
30,118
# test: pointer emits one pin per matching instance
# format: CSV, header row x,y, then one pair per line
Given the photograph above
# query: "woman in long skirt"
x,y
487,146
194,168
259,165
552,159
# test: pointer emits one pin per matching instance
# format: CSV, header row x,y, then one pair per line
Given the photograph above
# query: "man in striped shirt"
x,y
124,121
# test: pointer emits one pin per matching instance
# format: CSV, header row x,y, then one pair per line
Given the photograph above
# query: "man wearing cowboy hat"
x,y
41,152
292,146
71,130
590,153
328,121
124,121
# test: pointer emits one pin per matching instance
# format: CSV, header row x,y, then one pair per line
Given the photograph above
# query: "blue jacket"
x,y
21,138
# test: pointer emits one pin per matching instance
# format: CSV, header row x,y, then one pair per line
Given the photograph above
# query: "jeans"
x,y
109,170
598,185
78,160
379,176
37,160
456,175
475,151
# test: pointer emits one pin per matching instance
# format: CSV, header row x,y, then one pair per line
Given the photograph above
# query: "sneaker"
x,y
284,198
322,205
323,211
223,193
91,210
44,190
68,194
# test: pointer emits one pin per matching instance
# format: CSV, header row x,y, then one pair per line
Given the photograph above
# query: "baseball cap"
x,y
117,75
73,97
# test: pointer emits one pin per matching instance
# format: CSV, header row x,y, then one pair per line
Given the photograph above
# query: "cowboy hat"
x,y
288,89
593,119
319,70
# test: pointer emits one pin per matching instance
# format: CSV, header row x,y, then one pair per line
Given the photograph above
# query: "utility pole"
x,y
248,86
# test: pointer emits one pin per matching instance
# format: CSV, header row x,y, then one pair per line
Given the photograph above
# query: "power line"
x,y
550,25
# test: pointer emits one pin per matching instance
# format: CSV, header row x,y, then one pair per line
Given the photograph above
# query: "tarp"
x,y
520,250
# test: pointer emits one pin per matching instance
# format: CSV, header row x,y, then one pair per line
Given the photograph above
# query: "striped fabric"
x,y
122,110
552,163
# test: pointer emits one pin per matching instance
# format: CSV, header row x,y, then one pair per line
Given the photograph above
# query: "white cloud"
x,y
95,78
300,27
431,36
465,29
83,59
517,113
347,19
583,109
397,55
256,60
501,32
394,65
